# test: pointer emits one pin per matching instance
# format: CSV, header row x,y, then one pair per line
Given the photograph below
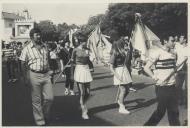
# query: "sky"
x,y
70,13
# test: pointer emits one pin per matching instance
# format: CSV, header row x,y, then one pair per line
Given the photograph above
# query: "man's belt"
x,y
44,71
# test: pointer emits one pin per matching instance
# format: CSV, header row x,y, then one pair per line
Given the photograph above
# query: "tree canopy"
x,y
164,19
48,30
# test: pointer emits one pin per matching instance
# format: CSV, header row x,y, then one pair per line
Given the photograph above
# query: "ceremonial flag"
x,y
71,37
93,41
138,41
142,38
106,49
99,45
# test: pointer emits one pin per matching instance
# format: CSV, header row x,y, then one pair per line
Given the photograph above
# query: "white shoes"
x,y
66,91
72,93
85,116
122,108
84,113
132,89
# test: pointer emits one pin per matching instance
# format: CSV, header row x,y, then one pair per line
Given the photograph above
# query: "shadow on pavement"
x,y
63,81
66,112
16,104
140,104
100,73
102,87
139,86
17,108
102,77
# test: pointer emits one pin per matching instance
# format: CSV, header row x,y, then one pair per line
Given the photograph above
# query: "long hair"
x,y
118,47
80,36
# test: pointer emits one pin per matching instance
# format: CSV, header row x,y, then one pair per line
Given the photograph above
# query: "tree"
x,y
48,30
163,18
63,30
91,24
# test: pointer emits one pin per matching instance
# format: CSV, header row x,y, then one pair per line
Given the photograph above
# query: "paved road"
x,y
103,111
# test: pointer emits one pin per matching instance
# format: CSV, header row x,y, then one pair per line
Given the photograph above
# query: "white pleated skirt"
x,y
82,74
124,76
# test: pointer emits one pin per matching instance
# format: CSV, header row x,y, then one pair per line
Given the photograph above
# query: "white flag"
x,y
71,37
142,40
92,43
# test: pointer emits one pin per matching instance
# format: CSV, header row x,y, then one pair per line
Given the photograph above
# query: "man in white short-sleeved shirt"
x,y
164,62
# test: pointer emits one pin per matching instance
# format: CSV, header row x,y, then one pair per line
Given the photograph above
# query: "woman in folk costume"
x,y
82,74
122,77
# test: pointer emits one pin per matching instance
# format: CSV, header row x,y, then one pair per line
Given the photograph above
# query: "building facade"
x,y
16,27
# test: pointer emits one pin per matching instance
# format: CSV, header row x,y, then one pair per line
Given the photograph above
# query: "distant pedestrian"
x,y
18,52
35,56
10,57
53,60
175,39
65,56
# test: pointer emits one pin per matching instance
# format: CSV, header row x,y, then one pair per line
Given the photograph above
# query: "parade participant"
x,y
10,57
175,39
3,44
171,41
164,62
82,75
91,66
165,41
35,56
130,49
53,60
181,77
136,59
128,64
19,50
65,56
58,50
122,77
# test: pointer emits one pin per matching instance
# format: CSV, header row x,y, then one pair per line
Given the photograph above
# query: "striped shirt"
x,y
36,59
9,53
164,65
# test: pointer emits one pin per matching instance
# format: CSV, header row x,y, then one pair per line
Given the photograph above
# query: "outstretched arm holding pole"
x,y
62,70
